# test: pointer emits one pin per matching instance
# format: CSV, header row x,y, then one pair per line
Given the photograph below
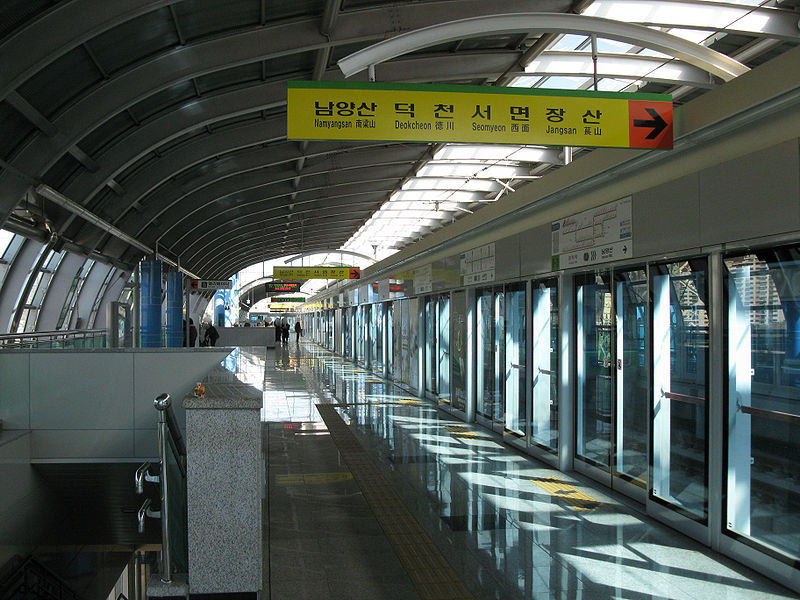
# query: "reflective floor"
x,y
509,526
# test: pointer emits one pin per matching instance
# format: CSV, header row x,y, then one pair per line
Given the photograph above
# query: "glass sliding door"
x,y
347,332
376,339
544,409
484,354
679,425
498,392
631,431
431,345
516,410
443,366
595,367
388,313
763,401
490,357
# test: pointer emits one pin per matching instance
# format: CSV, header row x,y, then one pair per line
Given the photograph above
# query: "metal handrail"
x,y
771,414
683,397
162,404
10,340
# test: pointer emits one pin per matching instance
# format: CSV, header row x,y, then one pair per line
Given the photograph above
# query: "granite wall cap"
x,y
210,402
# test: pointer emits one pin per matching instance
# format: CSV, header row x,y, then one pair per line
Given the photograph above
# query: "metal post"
x,y
162,404
137,303
594,61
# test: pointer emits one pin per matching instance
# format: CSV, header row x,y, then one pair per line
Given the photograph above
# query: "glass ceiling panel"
x,y
470,171
430,195
569,41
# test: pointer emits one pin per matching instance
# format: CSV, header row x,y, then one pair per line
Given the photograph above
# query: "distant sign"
x,y
281,286
324,110
316,272
288,299
478,265
210,284
597,235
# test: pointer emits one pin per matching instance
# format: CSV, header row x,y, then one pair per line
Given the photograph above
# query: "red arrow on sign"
x,y
355,273
650,124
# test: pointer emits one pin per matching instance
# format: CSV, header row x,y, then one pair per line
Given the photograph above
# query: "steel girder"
x,y
258,167
253,203
241,47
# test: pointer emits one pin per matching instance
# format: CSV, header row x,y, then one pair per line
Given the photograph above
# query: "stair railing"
x,y
171,450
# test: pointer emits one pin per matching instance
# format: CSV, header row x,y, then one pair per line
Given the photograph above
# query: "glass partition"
x,y
431,345
680,391
443,370
515,394
763,400
544,409
484,354
595,368
630,451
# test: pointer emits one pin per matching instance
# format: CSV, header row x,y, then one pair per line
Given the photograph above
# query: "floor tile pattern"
x,y
509,526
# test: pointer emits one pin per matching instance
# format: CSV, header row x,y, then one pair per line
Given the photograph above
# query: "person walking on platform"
x,y
211,336
285,332
298,330
277,331
192,333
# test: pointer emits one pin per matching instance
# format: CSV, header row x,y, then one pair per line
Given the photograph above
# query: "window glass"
x,y
763,403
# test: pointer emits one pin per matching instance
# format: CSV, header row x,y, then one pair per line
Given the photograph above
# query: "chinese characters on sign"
x,y
432,113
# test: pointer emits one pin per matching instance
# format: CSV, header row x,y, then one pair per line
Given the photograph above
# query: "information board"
x,y
281,286
320,110
598,235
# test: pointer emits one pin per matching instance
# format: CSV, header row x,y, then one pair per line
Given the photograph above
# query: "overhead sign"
x,y
288,299
281,286
597,235
210,284
320,110
316,272
280,306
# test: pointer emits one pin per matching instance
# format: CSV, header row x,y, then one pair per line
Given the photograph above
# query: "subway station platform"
x,y
373,493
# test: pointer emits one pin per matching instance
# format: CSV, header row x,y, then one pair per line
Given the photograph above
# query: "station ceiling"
x,y
155,125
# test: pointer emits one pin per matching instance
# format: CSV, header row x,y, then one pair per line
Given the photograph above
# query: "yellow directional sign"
x,y
316,273
488,115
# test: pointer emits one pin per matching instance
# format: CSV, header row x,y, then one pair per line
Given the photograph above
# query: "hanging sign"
x,y
288,299
281,286
320,110
207,284
316,272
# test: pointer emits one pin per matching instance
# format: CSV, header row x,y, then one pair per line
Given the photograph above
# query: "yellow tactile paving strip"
x,y
463,432
570,495
430,572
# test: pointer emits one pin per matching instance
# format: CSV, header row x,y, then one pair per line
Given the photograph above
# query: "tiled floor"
x,y
509,526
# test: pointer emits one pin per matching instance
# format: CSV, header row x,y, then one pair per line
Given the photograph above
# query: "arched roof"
x,y
165,120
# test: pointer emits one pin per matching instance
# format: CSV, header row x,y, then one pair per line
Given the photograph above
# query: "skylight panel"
x,y
482,171
430,195
524,82
612,85
569,41
563,83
